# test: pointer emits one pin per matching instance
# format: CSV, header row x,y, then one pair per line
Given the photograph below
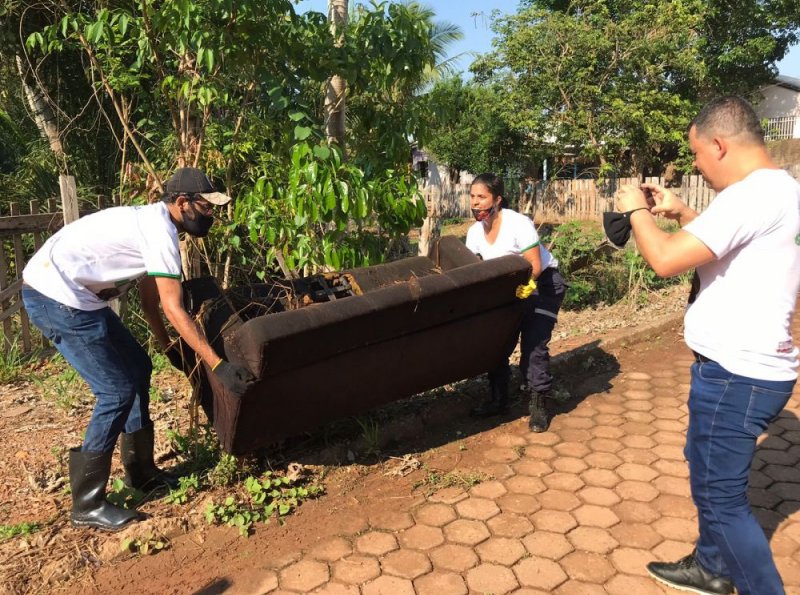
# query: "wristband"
x,y
632,211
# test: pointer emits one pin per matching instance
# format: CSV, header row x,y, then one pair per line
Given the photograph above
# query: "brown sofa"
x,y
391,331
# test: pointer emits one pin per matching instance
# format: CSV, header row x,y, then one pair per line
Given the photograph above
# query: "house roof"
x,y
789,82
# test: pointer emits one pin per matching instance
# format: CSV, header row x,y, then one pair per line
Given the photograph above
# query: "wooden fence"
x,y
20,236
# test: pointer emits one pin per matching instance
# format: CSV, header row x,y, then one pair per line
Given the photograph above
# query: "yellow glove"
x,y
524,291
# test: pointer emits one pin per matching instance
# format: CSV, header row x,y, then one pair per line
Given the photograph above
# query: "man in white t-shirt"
x,y
738,328
67,285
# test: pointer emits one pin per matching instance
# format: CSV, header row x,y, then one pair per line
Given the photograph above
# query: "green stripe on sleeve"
x,y
529,247
168,275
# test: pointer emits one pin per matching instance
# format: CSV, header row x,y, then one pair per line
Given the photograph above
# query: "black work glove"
x,y
235,378
182,357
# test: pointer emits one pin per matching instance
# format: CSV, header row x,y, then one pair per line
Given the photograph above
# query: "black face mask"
x,y
199,225
618,227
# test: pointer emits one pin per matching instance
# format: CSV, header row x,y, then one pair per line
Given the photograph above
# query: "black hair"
x,y
495,185
729,116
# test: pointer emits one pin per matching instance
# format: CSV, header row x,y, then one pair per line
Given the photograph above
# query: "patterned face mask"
x,y
484,214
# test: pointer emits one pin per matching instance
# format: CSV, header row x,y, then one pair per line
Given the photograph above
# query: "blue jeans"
x,y
107,357
727,413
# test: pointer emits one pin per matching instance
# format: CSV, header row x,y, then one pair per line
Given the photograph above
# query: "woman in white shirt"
x,y
498,232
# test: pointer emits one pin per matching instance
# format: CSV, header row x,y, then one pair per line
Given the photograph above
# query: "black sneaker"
x,y
688,575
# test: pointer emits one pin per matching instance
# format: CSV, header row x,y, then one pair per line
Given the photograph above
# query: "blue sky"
x,y
478,33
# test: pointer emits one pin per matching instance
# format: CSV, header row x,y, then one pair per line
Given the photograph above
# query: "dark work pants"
x,y
538,320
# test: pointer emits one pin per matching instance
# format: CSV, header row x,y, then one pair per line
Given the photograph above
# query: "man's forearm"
x,y
189,332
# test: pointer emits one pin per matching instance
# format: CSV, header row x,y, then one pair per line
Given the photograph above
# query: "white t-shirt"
x,y
741,318
517,234
98,257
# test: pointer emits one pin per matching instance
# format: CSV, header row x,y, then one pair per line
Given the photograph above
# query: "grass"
x,y
14,363
436,480
23,528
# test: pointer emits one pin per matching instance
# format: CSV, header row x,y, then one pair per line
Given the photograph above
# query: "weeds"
x,y
262,498
122,495
436,480
371,435
66,388
187,486
14,362
150,544
24,528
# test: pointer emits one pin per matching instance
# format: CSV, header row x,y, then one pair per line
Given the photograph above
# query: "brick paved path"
x,y
577,510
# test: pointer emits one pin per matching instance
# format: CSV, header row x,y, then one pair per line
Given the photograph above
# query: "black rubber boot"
x,y
141,472
88,476
498,403
539,420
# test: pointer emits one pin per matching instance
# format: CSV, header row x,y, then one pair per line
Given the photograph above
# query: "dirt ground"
x,y
43,416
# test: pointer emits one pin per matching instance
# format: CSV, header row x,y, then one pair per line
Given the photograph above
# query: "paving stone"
x,y
572,449
569,464
541,439
256,580
637,376
605,445
466,532
636,490
636,472
524,484
421,537
757,479
673,486
667,413
539,573
598,496
488,489
545,544
669,451
479,509
284,560
676,529
671,551
528,591
640,406
501,550
595,516
782,544
391,520
519,503
441,583
675,506
574,436
388,585
540,452
672,468
491,578
601,478
336,589
603,460
350,524
563,481
587,566
639,456
630,511
608,420
304,575
497,470
532,467
638,395
355,569
592,539
575,422
558,500
636,535
674,438
376,543
331,549
501,455
629,560
789,569
435,514
509,525
449,495
579,588
610,408
640,424
670,425
553,520
457,558
406,564
623,584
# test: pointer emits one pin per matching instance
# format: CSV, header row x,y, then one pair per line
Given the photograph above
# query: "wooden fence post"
x,y
69,198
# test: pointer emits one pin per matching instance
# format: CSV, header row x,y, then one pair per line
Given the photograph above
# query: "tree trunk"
x,y
335,90
43,113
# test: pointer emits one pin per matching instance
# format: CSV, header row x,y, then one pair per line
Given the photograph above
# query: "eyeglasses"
x,y
205,207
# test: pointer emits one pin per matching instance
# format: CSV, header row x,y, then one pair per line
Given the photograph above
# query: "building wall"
x,y
778,102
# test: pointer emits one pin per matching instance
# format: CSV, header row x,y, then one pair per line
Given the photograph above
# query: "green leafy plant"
x,y
145,545
123,495
23,528
261,498
187,486
224,472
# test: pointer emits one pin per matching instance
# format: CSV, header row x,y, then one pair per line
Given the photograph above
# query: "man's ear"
x,y
181,200
720,147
